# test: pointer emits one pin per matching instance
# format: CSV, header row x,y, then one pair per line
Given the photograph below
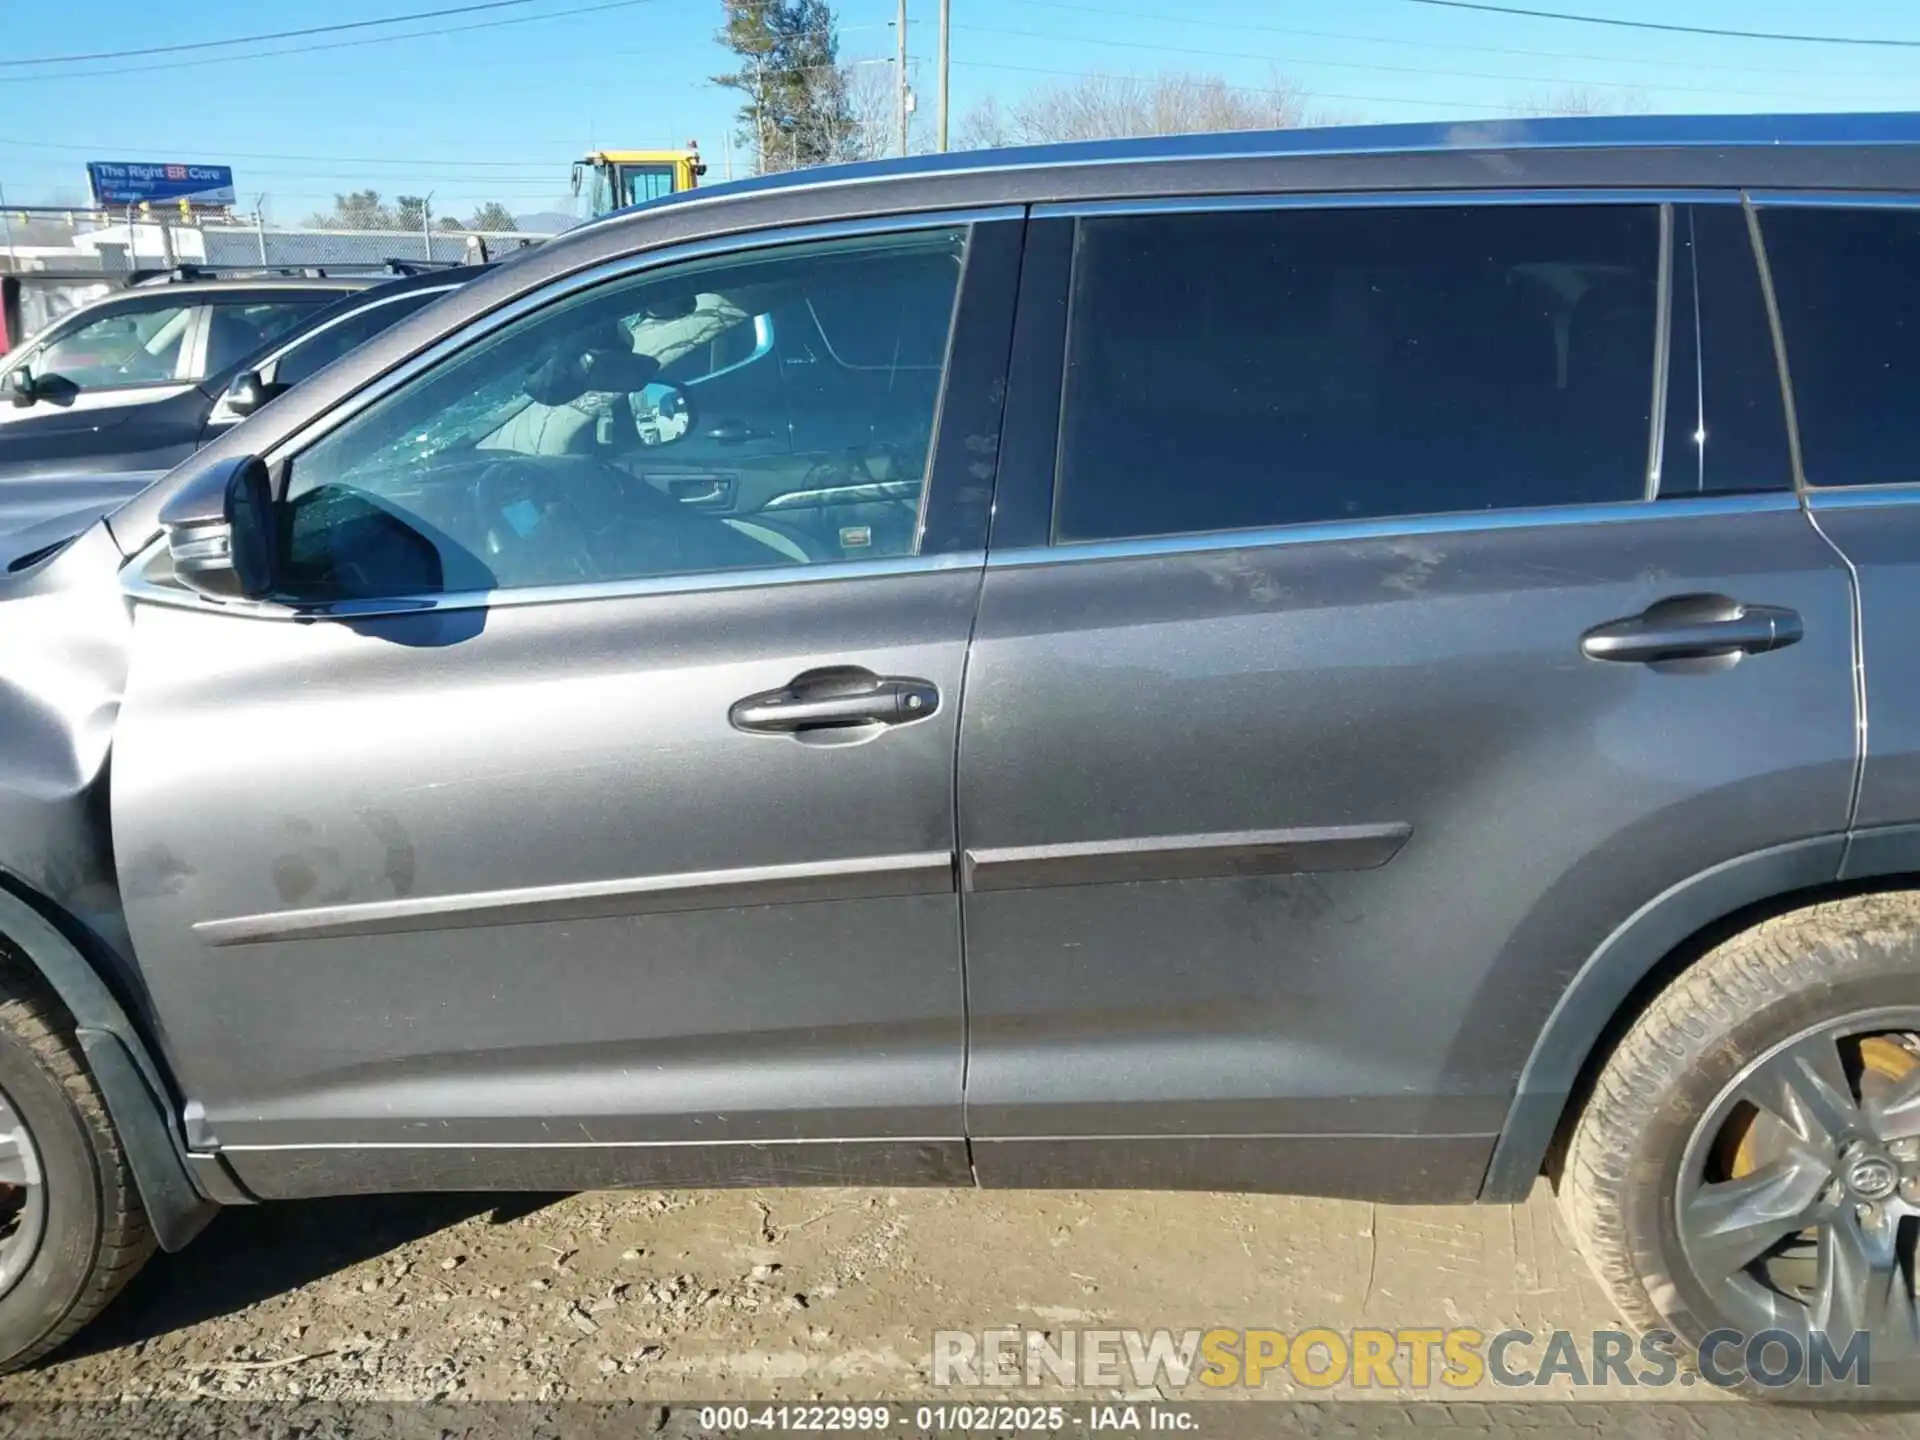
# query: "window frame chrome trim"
x,y
1833,199
1861,497
136,584
1662,351
1383,200
562,287
1461,522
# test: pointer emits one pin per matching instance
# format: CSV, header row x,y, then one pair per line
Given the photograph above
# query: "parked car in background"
x,y
1336,662
319,339
127,382
43,504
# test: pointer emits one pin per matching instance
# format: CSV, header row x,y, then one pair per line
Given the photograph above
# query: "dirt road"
x,y
772,1294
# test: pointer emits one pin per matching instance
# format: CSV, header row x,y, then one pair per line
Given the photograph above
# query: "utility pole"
x,y
945,25
426,224
900,77
260,223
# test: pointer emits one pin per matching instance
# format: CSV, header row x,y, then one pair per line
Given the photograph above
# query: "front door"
x,y
1378,647
550,830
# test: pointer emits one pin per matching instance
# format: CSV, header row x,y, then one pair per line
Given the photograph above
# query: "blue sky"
x,y
500,112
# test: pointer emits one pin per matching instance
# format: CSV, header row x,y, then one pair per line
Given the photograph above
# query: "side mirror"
x,y
249,392
220,530
662,412
22,388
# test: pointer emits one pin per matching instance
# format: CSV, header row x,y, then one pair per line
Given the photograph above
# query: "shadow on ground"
x,y
252,1253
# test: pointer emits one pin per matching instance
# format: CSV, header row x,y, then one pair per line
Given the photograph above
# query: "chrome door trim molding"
x,y
1384,199
865,877
136,583
1464,522
1228,853
561,287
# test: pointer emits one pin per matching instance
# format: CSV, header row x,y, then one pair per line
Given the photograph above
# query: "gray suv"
x,y
1372,663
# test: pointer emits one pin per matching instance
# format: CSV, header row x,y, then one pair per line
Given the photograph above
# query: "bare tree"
x,y
1100,106
872,130
1584,100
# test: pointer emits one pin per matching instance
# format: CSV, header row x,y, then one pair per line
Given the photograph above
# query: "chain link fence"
x,y
112,243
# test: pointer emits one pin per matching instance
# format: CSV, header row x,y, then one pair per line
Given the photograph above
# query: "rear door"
x,y
1848,282
1388,602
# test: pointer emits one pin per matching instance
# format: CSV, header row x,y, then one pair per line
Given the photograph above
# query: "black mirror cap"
x,y
221,533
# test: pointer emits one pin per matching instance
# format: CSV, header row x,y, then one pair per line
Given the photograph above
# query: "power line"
x,y
1256,89
1430,44
1163,48
1663,26
325,45
271,35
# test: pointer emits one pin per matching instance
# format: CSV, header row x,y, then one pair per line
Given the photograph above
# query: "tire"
x,y
1646,1148
93,1234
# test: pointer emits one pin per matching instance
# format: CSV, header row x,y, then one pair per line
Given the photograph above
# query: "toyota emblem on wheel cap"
x,y
1872,1177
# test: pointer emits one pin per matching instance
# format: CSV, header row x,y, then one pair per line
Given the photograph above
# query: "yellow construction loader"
x,y
627,177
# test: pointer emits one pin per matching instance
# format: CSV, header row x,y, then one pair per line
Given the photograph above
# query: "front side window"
x,y
236,329
1256,368
1848,285
651,426
126,347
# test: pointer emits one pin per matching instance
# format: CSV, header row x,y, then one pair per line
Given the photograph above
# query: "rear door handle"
x,y
1694,627
835,698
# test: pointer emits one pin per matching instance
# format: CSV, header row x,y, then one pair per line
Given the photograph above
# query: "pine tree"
x,y
796,110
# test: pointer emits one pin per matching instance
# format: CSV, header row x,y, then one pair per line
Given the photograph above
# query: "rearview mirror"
x,y
249,392
21,388
220,530
609,366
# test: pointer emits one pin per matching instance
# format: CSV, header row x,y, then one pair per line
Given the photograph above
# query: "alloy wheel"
x,y
23,1197
1798,1201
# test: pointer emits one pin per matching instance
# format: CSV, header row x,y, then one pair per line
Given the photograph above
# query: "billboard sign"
x,y
130,183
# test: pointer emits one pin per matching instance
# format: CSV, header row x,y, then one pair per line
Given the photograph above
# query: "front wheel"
x,y
1747,1172
72,1230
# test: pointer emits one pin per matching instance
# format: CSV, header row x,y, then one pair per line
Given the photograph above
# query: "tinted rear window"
x,y
1260,368
1848,284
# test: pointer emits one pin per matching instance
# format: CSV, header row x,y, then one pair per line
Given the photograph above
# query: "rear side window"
x,y
1257,368
1848,285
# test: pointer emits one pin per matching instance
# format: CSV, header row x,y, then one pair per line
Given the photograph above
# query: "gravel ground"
x,y
789,1294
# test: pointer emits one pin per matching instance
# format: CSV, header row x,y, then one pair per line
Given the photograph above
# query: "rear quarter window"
x,y
1848,287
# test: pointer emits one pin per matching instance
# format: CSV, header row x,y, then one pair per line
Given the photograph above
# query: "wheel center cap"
x,y
1872,1177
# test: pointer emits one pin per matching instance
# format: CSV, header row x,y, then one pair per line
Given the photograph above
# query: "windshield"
x,y
645,182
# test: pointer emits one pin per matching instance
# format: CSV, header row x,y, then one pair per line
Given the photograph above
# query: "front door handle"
x,y
833,699
735,432
1694,627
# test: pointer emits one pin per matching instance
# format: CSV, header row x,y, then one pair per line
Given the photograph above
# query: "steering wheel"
x,y
532,524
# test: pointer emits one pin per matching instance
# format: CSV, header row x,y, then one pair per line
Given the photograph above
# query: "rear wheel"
x,y
72,1231
1750,1159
